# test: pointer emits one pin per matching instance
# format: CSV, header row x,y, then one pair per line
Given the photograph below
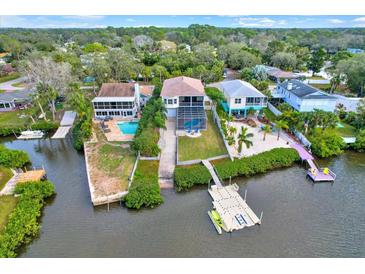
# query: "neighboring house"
x,y
117,100
355,51
303,97
241,97
350,103
146,92
276,74
11,100
185,100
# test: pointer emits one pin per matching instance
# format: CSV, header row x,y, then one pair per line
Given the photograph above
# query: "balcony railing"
x,y
191,104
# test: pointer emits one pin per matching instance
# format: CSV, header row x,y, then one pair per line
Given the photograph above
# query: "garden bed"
x,y
209,144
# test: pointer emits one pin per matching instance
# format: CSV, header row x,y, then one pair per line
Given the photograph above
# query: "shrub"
x,y
23,223
80,133
146,142
359,145
40,125
326,143
13,158
145,189
187,176
259,163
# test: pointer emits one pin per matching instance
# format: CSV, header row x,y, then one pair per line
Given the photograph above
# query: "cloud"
x,y
359,19
259,22
359,26
336,21
130,20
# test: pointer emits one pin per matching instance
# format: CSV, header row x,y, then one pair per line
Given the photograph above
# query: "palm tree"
x,y
229,119
232,131
266,129
280,125
243,138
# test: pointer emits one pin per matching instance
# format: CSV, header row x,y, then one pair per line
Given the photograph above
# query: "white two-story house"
x,y
117,100
303,97
185,100
241,97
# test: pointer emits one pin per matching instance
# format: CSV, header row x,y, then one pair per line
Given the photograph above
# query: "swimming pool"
x,y
192,124
128,128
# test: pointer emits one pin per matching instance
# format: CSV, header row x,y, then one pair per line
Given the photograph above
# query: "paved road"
x,y
168,152
7,86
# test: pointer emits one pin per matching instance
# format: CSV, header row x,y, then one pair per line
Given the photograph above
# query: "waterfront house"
x,y
241,97
303,97
185,100
12,100
276,74
117,100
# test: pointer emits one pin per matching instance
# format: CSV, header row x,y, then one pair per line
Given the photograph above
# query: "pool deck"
x,y
115,135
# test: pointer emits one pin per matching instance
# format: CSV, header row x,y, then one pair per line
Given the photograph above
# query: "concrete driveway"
x,y
7,86
167,144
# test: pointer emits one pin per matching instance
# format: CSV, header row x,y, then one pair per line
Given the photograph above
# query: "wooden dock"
x,y
66,123
314,172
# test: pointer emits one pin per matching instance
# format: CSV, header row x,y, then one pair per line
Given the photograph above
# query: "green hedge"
x,y
187,176
23,223
145,189
259,163
13,158
40,125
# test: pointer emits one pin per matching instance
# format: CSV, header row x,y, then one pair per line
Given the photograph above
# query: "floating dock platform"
x,y
232,208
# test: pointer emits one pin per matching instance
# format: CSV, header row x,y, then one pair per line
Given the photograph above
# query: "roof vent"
x,y
290,86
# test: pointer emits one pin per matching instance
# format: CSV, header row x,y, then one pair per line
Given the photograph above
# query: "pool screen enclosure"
x,y
191,118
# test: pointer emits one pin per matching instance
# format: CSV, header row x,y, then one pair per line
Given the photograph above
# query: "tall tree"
x,y
244,138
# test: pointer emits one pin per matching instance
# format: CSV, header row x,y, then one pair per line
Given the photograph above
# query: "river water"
x,y
300,219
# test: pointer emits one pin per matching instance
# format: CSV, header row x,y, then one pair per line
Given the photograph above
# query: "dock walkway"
x,y
210,168
66,123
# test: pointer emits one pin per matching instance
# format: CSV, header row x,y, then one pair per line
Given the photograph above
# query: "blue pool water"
x,y
128,127
194,123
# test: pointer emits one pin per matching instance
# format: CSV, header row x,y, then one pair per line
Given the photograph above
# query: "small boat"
x,y
216,219
31,134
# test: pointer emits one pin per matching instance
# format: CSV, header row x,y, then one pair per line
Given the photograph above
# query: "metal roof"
x,y
9,96
239,88
301,90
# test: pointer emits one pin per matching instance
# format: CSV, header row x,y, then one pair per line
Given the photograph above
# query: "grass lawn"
x,y
2,90
5,175
7,204
316,78
208,145
9,77
346,131
116,161
148,168
269,115
11,119
19,85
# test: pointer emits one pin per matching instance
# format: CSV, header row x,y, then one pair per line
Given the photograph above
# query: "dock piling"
x,y
261,216
245,195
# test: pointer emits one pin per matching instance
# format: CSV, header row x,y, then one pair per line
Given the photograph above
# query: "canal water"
x,y
300,219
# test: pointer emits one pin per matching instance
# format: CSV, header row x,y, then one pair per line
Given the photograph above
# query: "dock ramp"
x,y
211,170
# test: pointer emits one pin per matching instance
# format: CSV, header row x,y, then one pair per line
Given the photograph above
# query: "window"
x,y
165,101
237,100
170,101
249,100
129,113
175,101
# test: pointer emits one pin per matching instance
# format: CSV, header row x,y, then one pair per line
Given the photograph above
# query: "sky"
x,y
100,21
